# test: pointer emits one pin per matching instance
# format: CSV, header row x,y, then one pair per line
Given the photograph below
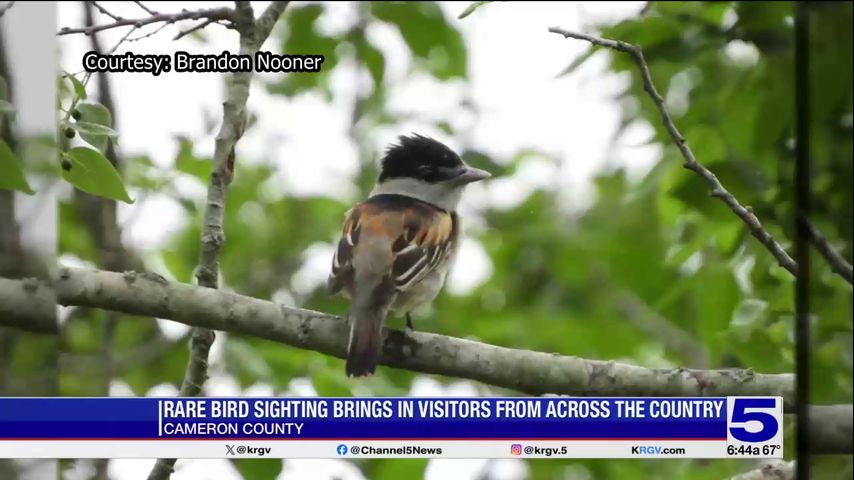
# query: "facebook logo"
x,y
342,449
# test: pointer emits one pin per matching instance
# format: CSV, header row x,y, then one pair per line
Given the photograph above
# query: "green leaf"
x,y
302,38
437,45
91,172
139,172
188,163
94,129
95,113
374,60
94,134
6,106
96,125
647,33
715,13
471,8
707,144
749,313
177,265
12,177
79,89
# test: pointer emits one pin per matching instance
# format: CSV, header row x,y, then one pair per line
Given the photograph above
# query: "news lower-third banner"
x,y
545,427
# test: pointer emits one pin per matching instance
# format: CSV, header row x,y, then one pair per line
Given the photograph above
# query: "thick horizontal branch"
x,y
536,373
28,305
831,428
522,370
213,14
716,188
525,371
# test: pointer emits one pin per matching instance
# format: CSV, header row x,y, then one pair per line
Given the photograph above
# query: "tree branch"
x,y
535,373
37,315
192,29
837,262
252,36
831,437
526,371
265,23
147,10
105,11
101,216
222,13
691,163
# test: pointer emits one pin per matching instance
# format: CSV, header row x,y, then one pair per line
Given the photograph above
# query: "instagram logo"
x,y
516,449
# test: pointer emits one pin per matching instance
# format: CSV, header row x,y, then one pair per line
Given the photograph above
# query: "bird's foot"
x,y
410,329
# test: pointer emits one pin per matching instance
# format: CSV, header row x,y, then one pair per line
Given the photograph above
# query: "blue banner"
x,y
365,418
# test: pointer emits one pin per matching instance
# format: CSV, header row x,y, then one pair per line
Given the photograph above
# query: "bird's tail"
x,y
363,351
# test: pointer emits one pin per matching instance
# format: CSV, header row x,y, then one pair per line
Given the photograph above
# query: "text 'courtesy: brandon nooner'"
x,y
185,62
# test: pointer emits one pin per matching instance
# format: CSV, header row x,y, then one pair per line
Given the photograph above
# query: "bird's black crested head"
x,y
420,158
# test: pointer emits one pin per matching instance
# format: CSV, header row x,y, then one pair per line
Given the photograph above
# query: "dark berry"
x,y
76,114
66,164
69,132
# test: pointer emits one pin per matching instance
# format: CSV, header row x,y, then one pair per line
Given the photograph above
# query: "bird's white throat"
x,y
444,195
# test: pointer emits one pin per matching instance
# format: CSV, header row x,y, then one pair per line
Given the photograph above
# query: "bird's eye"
x,y
449,172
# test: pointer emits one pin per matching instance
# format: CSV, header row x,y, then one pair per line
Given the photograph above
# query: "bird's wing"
x,y
418,237
342,261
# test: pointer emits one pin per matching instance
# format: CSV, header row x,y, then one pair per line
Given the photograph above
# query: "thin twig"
x,y
252,35
837,262
222,13
691,163
106,12
267,19
147,10
193,29
123,39
153,32
88,75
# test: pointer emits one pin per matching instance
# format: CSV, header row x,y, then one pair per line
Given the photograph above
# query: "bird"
x,y
396,245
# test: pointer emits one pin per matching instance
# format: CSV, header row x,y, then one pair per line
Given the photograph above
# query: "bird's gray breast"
x,y
422,293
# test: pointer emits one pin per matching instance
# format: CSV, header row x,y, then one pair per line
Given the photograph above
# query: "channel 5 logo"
x,y
754,419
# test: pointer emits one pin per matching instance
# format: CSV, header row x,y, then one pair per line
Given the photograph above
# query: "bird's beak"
x,y
471,175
